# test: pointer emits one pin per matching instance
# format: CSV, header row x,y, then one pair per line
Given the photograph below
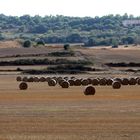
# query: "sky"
x,y
80,8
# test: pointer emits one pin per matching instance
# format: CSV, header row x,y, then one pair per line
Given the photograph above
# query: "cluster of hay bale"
x,y
89,83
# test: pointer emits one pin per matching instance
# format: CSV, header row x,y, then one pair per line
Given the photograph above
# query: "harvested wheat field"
x,y
54,113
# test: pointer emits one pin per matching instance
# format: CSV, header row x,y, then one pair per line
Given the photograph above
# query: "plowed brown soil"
x,y
53,113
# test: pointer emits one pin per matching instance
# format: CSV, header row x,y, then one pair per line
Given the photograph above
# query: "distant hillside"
x,y
106,30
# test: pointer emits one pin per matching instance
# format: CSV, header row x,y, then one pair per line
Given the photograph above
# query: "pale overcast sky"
x,y
79,8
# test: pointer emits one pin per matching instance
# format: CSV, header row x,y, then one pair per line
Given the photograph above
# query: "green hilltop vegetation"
x,y
106,30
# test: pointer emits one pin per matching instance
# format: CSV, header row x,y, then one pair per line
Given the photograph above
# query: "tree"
x,y
90,42
1,37
66,46
40,42
27,44
129,40
39,29
137,40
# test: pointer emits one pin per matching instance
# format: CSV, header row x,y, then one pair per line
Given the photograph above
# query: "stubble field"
x,y
43,112
53,113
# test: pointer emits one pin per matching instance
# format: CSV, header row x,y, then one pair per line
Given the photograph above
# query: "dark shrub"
x,y
66,46
40,42
27,44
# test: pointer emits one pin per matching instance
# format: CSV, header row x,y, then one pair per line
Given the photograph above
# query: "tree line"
x,y
106,30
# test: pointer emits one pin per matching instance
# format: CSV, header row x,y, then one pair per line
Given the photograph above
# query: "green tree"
x,y
1,37
66,46
27,44
40,42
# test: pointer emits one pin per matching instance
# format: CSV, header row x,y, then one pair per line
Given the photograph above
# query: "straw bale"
x,y
65,84
42,79
109,81
102,82
124,81
77,82
71,82
95,82
52,82
36,79
89,90
30,79
85,82
138,81
23,86
132,81
19,78
25,79
116,85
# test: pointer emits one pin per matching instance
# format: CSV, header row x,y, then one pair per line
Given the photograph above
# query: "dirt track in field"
x,y
43,112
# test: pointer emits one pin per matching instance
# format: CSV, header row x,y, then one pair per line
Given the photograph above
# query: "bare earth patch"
x,y
10,44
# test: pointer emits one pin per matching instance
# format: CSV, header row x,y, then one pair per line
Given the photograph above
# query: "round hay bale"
x,y
42,79
132,81
36,79
118,79
89,80
59,78
89,90
71,82
18,78
60,82
52,82
25,79
30,79
77,82
23,86
66,78
137,78
102,82
124,81
109,81
85,82
116,85
48,79
73,78
95,82
55,78
65,84
138,81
